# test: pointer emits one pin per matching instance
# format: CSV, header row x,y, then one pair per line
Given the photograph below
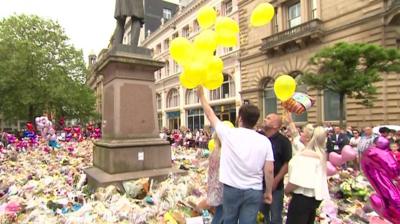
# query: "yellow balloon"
x,y
187,82
262,14
226,25
227,40
216,65
229,124
206,17
196,71
180,49
206,41
211,145
284,87
213,81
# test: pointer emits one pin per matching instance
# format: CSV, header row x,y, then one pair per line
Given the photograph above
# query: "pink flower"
x,y
12,208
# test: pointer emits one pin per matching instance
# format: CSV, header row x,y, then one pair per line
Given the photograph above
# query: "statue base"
x,y
131,147
122,48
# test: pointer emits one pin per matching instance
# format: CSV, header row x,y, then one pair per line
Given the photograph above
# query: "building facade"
x,y
176,105
299,30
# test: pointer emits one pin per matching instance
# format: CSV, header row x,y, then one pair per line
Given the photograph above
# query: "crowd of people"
x,y
184,137
248,166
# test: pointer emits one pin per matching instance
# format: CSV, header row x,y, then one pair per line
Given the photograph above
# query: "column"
x,y
304,10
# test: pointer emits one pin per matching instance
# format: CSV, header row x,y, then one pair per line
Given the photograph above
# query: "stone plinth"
x,y
131,147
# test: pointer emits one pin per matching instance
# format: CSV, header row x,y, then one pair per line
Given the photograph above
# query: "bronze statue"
x,y
124,9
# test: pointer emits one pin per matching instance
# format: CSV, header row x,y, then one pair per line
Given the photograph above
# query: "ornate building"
x,y
301,28
176,105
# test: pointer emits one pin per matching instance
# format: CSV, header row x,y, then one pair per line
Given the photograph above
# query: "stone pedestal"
x,y
131,147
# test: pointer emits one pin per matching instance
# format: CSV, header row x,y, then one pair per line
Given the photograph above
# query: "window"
x,y
185,31
158,49
313,4
173,98
166,44
398,43
275,20
159,100
158,75
225,91
195,119
270,101
177,68
196,26
303,89
331,106
166,68
175,35
167,14
228,50
191,97
227,7
294,15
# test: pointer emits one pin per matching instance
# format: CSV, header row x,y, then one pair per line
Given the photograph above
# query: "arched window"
x,y
270,101
158,100
299,88
191,96
173,98
227,89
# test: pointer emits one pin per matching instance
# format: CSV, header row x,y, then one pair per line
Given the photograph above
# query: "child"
x,y
395,146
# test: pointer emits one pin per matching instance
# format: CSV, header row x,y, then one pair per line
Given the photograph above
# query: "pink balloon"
x,y
348,153
381,169
336,159
330,169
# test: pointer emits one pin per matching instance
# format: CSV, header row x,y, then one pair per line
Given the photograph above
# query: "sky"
x,y
88,23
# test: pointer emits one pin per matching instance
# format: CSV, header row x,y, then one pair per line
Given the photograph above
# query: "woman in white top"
x,y
299,140
354,141
307,180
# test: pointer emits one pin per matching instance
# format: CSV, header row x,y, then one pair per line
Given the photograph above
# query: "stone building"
x,y
176,105
301,28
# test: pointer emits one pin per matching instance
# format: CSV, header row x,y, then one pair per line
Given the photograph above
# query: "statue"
x,y
124,9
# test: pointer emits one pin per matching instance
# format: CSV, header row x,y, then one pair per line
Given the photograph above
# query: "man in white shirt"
x,y
245,157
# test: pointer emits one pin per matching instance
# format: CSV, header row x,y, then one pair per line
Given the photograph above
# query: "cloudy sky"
x,y
88,23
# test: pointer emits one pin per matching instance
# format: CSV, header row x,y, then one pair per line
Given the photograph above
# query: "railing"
x,y
291,34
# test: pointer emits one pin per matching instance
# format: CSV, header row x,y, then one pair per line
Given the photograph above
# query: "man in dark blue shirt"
x,y
282,149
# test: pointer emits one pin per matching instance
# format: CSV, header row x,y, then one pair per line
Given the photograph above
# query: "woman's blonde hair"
x,y
318,142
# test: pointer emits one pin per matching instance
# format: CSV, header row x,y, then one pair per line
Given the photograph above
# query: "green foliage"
x,y
40,71
351,70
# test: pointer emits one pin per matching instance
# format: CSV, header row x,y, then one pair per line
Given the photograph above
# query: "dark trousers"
x,y
302,210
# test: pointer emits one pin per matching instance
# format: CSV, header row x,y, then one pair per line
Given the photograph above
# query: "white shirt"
x,y
310,175
243,156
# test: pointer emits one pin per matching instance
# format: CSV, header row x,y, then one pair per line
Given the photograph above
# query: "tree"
x,y
40,71
351,70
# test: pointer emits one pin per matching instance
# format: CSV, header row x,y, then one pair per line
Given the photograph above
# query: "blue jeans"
x,y
242,205
273,213
217,219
